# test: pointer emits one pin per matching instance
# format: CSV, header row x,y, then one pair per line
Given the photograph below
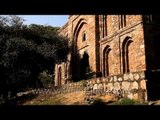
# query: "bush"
x,y
46,79
126,101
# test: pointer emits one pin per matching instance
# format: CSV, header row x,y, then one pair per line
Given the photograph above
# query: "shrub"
x,y
46,79
126,101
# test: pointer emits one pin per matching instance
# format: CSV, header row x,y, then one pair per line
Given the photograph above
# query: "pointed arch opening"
x,y
75,55
106,52
59,76
125,54
84,66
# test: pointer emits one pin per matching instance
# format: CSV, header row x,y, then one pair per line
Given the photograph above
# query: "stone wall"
x,y
130,85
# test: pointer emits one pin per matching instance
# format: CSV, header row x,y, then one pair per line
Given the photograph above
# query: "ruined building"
x,y
122,47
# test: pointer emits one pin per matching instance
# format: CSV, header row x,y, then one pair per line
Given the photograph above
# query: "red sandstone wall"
x,y
89,27
114,39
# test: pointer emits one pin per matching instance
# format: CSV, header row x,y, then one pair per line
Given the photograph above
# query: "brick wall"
x,y
115,38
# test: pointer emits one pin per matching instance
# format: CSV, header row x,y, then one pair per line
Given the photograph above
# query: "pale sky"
x,y
52,20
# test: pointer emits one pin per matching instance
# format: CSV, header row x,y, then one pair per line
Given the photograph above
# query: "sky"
x,y
52,20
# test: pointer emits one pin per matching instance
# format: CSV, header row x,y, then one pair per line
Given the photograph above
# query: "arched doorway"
x,y
125,54
84,66
106,52
79,37
59,76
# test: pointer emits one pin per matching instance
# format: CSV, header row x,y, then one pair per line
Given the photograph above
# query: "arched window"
x,y
106,52
122,21
103,25
59,76
66,70
83,36
125,54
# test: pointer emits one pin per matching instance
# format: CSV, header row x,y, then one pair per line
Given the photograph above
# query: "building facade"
x,y
108,45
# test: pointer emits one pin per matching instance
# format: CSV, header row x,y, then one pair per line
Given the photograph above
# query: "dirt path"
x,y
58,99
75,98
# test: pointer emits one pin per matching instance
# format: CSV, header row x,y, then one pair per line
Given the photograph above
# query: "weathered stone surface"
x,y
93,81
130,96
125,77
110,86
104,86
142,75
90,82
143,84
117,86
95,87
111,79
104,79
98,81
134,85
145,96
119,79
125,85
100,86
107,80
135,96
131,77
115,78
141,46
136,76
141,96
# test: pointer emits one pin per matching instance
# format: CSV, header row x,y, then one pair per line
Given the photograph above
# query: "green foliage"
x,y
46,79
27,51
127,101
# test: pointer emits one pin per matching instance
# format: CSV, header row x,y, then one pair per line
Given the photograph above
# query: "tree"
x,y
27,51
